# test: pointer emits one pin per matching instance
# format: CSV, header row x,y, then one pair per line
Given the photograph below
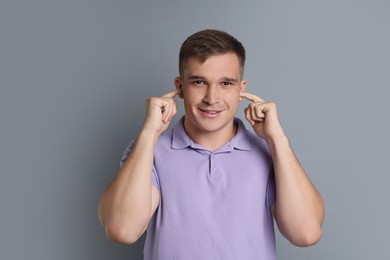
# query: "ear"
x,y
242,88
179,86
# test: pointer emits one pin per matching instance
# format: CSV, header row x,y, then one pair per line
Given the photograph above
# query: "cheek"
x,y
192,97
189,101
233,99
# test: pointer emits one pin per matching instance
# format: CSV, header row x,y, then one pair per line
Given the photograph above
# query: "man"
x,y
208,188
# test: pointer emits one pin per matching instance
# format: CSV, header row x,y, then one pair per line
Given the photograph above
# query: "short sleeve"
x,y
271,189
126,154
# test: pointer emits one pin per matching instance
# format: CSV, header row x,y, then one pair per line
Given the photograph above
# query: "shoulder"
x,y
254,139
248,136
257,144
165,139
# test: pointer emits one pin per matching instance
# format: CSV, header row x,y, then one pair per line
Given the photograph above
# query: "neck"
x,y
212,140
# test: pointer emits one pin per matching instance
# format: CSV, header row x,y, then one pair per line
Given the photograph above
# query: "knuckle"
x,y
152,99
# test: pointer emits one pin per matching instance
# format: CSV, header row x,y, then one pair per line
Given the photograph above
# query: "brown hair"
x,y
206,43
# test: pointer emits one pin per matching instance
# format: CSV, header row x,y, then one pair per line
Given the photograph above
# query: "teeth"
x,y
211,112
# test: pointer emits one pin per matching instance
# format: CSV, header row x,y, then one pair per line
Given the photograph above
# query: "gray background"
x,y
75,75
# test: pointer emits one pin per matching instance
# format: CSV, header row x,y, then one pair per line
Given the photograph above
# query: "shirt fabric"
x,y
213,205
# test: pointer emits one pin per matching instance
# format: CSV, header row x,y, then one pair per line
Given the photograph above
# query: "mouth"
x,y
210,113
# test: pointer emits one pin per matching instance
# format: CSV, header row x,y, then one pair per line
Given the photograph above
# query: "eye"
x,y
199,82
227,83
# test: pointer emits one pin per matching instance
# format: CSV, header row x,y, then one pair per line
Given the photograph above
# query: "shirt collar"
x,y
181,140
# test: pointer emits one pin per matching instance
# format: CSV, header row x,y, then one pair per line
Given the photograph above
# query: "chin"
x,y
212,125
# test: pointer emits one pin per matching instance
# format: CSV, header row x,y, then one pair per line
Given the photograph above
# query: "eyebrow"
x,y
194,77
198,77
230,79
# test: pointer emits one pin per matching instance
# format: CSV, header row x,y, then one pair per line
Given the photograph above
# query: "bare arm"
x,y
299,209
130,200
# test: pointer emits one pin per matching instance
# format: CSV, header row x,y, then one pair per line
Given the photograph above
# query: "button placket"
x,y
214,172
211,164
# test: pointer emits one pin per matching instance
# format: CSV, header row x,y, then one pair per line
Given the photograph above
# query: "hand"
x,y
263,117
159,111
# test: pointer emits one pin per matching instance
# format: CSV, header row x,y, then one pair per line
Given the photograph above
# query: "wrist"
x,y
149,133
277,140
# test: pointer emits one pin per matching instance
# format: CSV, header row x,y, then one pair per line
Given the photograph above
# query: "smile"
x,y
210,113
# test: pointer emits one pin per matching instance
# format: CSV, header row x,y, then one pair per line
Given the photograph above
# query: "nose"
x,y
211,96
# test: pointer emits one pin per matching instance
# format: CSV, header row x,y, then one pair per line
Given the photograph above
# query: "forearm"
x,y
299,209
125,206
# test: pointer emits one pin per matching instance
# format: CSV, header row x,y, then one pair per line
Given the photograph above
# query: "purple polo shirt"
x,y
214,205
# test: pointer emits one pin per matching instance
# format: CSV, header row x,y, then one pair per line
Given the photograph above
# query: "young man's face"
x,y
211,93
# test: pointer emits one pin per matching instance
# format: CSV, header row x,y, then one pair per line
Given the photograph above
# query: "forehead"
x,y
221,65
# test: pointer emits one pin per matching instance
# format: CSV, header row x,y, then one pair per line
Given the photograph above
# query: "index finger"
x,y
251,97
171,94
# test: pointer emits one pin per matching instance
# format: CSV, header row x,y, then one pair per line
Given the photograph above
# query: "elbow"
x,y
117,230
308,237
121,235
